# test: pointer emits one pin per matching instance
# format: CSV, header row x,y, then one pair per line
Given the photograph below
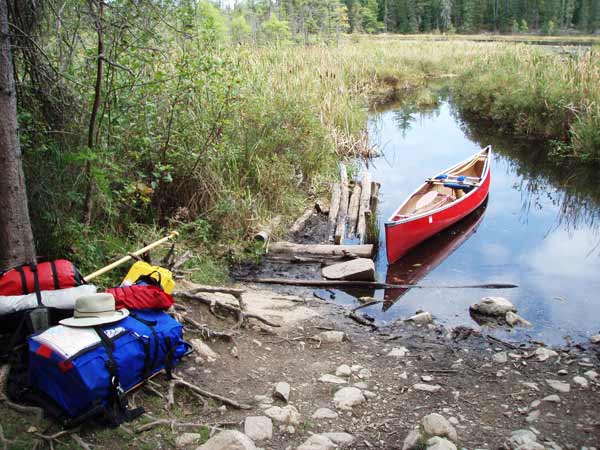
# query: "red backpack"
x,y
44,276
141,297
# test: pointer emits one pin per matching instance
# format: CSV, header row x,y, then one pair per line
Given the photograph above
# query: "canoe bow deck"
x,y
438,203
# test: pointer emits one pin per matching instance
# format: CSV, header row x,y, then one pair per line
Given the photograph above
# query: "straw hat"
x,y
95,309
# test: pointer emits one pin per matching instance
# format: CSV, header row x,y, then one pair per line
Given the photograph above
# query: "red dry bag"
x,y
141,297
44,276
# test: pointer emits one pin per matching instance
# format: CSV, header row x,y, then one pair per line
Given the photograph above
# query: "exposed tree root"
x,y
179,382
213,304
173,424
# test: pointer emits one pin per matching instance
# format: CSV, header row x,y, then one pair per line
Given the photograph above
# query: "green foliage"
x,y
523,27
240,30
276,31
548,28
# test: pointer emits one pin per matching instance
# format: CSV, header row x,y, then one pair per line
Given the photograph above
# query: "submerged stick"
x,y
372,284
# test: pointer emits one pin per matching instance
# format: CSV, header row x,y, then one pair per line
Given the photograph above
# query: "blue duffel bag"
x,y
88,371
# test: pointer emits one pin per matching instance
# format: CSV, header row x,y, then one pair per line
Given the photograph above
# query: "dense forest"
x,y
307,17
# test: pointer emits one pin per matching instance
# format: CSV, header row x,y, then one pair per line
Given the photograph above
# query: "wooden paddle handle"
x,y
124,259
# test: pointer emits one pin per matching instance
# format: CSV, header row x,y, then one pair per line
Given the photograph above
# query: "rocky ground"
x,y
321,381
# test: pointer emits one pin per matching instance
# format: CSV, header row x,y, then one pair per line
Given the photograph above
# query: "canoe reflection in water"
x,y
421,260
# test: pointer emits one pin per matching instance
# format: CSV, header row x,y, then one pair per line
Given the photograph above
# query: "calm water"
x,y
539,229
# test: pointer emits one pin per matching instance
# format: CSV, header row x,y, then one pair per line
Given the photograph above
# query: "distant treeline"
x,y
310,17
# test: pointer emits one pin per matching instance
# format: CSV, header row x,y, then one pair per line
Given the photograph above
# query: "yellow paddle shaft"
x,y
124,259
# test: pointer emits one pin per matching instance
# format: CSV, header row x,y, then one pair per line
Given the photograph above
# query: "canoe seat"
x,y
430,201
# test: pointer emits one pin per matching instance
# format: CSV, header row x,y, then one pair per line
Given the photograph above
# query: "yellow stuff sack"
x,y
160,274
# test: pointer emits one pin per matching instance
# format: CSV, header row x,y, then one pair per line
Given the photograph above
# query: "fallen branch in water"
x,y
371,284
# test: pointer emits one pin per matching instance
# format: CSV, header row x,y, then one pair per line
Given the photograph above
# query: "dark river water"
x,y
538,230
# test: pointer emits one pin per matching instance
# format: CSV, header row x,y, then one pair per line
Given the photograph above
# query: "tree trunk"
x,y
340,230
16,238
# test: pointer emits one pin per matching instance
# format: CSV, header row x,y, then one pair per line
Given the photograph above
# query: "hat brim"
x,y
93,321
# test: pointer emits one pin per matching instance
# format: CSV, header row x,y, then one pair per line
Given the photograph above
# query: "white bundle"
x,y
60,299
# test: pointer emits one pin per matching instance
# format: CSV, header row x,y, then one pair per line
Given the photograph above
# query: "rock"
x,y
595,339
436,425
426,387
364,374
552,399
203,350
228,440
563,372
500,358
529,385
559,385
453,420
398,352
343,371
324,413
362,269
348,397
412,440
330,337
514,319
421,318
282,391
369,395
361,385
521,437
263,400
339,438
327,378
544,353
317,442
591,375
258,428
493,306
533,416
438,443
581,382
426,378
288,414
534,404
186,439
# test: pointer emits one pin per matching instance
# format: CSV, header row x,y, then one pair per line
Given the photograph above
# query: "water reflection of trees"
x,y
574,191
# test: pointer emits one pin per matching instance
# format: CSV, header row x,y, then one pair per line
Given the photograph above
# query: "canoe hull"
x,y
402,236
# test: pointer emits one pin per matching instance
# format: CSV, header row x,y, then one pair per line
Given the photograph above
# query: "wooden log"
x,y
334,208
266,231
371,284
362,251
364,207
301,221
353,209
340,229
374,195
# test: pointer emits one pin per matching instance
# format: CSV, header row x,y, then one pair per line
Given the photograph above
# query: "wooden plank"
x,y
364,207
328,250
340,229
353,209
334,207
374,195
301,221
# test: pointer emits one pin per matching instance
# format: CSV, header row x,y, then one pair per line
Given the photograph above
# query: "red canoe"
x,y
438,203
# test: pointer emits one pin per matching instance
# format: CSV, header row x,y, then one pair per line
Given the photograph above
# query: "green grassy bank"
x,y
214,140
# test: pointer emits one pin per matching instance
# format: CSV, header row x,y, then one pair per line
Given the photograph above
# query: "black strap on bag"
x,y
120,411
23,279
149,279
149,366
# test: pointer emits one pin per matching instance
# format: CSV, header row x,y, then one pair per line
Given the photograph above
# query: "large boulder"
x,y
493,306
228,440
361,269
